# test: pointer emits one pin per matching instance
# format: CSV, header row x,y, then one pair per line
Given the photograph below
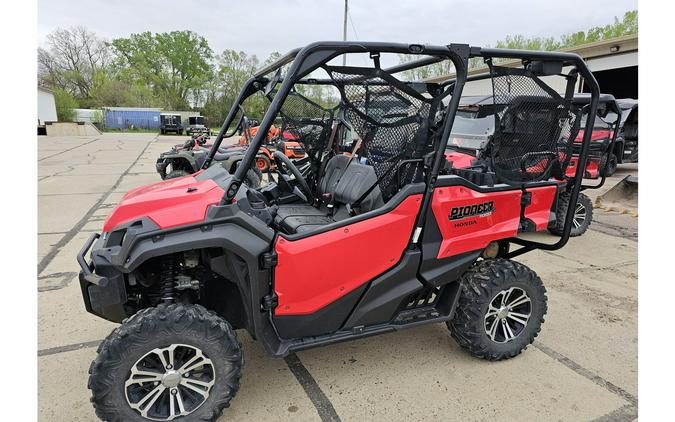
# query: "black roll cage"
x,y
305,60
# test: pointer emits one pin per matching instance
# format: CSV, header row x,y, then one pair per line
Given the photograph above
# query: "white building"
x,y
87,115
46,106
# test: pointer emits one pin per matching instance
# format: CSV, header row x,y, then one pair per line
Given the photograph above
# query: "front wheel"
x,y
172,361
501,308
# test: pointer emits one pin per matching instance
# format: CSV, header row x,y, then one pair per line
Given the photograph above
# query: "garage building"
x,y
614,63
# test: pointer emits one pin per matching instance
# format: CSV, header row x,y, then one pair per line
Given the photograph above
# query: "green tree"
x,y
117,91
65,105
173,64
233,69
626,26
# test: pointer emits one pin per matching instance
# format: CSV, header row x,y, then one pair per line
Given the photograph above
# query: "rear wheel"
x,y
501,308
612,164
176,173
172,361
583,215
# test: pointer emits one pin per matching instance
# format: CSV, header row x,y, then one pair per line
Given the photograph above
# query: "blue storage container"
x,y
125,118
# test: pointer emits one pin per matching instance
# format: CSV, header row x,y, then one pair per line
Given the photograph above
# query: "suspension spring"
x,y
167,287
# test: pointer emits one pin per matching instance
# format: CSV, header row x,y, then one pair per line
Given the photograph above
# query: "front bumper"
x,y
103,288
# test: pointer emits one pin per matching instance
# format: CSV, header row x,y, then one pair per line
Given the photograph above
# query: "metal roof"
x,y
623,44
132,108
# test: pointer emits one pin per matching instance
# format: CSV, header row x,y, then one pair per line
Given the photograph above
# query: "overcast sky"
x,y
261,27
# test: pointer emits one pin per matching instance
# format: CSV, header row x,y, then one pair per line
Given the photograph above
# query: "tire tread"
x,y
110,353
478,286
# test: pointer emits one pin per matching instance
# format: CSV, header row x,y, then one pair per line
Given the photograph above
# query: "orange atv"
x,y
285,141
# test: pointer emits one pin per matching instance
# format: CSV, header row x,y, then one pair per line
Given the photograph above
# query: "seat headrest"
x,y
356,180
334,169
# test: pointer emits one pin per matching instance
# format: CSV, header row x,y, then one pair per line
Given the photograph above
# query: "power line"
x,y
356,35
351,22
344,31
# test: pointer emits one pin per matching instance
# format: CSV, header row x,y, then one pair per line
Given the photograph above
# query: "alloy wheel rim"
x,y
579,215
507,315
169,382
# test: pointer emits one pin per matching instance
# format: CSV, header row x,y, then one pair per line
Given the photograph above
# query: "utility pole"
x,y
344,33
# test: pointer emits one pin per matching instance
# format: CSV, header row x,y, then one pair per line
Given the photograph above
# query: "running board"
x,y
355,333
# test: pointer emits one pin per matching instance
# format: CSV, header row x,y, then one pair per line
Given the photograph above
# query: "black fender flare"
x,y
231,230
191,161
228,237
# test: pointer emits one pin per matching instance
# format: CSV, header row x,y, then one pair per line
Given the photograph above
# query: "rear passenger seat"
x,y
346,186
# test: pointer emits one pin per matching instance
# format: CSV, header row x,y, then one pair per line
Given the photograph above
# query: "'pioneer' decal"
x,y
481,210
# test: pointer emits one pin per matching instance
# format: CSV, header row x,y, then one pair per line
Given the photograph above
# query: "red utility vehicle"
x,y
350,246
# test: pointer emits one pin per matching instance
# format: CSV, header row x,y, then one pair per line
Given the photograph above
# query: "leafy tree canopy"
x,y
65,105
173,64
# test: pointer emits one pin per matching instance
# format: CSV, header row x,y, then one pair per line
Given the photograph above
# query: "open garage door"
x,y
622,82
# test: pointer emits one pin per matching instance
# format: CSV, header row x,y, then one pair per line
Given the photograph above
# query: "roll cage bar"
x,y
305,60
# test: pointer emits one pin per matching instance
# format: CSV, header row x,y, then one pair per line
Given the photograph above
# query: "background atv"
x,y
188,158
380,239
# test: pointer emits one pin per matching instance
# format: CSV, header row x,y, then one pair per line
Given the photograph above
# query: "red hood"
x,y
169,203
459,160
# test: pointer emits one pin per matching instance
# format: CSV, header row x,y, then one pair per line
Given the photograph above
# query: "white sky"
x,y
261,27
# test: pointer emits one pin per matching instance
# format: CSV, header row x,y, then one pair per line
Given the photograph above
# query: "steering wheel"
x,y
280,159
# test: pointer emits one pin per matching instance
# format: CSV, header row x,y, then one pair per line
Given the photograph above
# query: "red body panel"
x,y
167,203
592,168
477,231
596,135
539,210
459,160
317,270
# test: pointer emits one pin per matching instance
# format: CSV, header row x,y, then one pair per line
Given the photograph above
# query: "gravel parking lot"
x,y
583,365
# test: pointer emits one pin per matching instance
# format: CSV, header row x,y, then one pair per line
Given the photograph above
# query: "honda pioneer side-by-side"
x,y
372,233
